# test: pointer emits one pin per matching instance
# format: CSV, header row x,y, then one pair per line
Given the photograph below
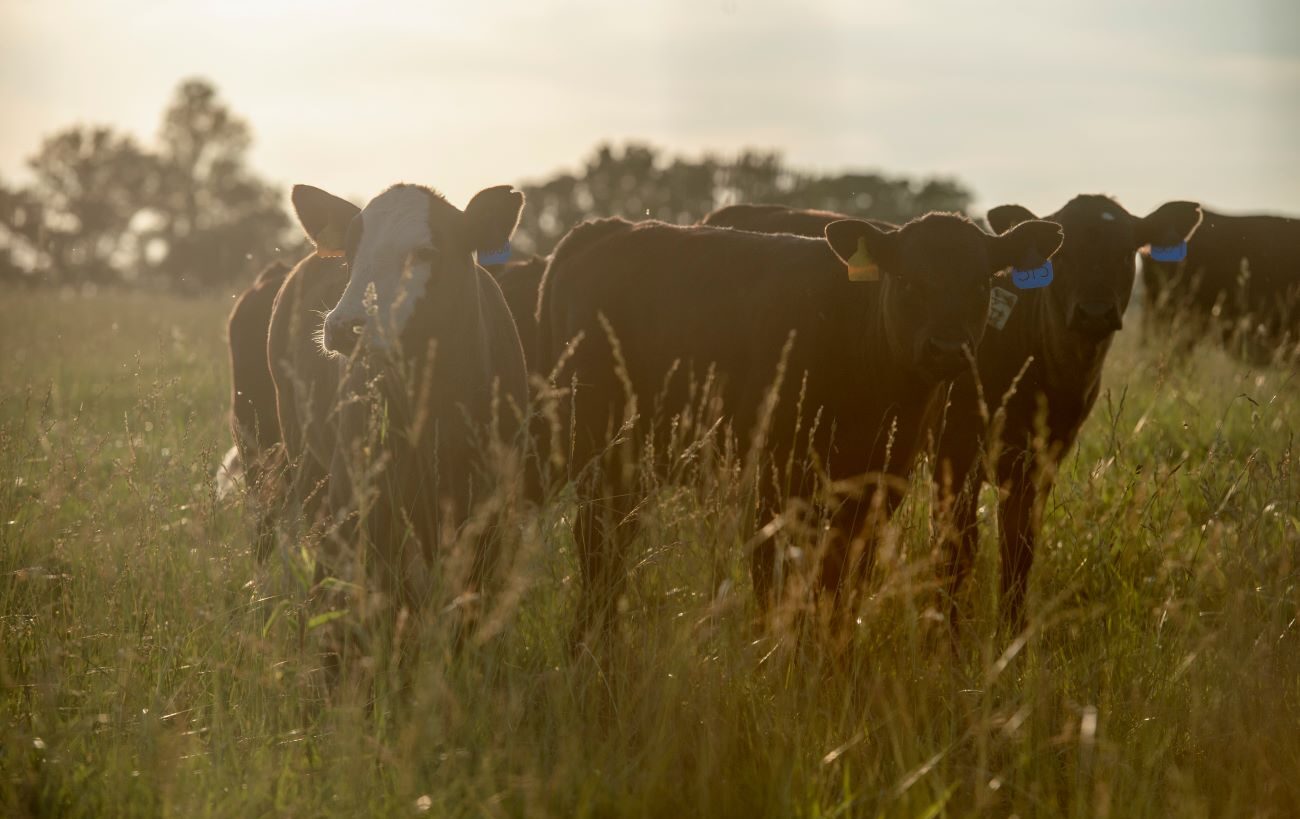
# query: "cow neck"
x,y
450,313
1069,363
450,299
877,366
859,327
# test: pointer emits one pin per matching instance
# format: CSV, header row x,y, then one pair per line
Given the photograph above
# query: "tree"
x,y
73,221
635,182
216,219
15,235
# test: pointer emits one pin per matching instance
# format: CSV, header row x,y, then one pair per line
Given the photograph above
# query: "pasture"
x,y
149,667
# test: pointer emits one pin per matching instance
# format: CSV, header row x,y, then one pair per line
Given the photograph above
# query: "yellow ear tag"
x,y
329,243
861,267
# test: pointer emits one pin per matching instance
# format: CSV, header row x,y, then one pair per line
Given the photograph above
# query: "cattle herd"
x,y
400,392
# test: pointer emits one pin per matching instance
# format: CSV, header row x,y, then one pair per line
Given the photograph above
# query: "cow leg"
x,y
956,506
1019,518
764,557
272,492
961,545
848,557
260,498
602,529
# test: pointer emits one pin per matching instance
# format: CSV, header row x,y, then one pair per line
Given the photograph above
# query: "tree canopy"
x,y
188,213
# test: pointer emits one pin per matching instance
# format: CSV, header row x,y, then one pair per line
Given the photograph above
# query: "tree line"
x,y
189,215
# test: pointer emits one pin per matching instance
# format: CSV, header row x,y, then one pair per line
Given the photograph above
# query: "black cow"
x,y
1239,274
1054,340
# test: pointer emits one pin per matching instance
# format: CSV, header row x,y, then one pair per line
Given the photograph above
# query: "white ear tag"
x,y
1001,301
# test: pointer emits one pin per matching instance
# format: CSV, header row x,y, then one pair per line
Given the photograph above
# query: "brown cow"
x,y
1055,340
253,421
869,357
430,330
1239,273
306,378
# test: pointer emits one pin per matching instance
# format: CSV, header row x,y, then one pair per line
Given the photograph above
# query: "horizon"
x,y
1202,110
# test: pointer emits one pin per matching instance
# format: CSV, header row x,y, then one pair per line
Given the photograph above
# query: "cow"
x,y
1238,273
1058,336
253,421
436,377
1045,356
307,379
630,311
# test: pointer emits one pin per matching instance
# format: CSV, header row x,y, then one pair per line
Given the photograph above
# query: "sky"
x,y
1025,102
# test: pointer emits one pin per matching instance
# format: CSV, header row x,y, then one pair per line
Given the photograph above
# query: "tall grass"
x,y
149,667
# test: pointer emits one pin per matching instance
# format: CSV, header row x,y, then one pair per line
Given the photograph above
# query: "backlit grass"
x,y
148,667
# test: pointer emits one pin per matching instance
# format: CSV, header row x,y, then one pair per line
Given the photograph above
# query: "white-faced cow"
x,y
436,387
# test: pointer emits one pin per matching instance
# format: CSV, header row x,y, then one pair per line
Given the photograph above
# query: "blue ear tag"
x,y
1169,253
499,256
1034,277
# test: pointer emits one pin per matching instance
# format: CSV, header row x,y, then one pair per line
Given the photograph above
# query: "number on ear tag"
x,y
1033,277
499,256
1169,253
1000,303
861,266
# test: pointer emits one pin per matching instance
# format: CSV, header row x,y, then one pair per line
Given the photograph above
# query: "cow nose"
x,y
943,357
341,335
1096,318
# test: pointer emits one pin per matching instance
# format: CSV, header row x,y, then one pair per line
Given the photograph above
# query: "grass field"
x,y
149,668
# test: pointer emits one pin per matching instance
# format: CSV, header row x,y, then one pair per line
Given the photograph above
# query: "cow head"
x,y
935,273
404,239
1095,268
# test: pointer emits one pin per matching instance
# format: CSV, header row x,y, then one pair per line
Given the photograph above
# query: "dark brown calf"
x,y
253,420
1056,339
864,360
1240,273
306,378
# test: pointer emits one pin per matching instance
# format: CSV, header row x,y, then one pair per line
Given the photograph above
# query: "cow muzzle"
x,y
342,335
1096,318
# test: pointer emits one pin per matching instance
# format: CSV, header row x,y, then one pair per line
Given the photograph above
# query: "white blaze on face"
x,y
394,224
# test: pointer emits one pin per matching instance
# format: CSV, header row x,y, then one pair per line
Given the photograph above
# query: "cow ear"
x,y
1170,224
1005,217
1026,246
324,217
491,217
866,249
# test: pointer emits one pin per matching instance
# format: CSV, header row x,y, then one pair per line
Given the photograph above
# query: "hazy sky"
x,y
1028,102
